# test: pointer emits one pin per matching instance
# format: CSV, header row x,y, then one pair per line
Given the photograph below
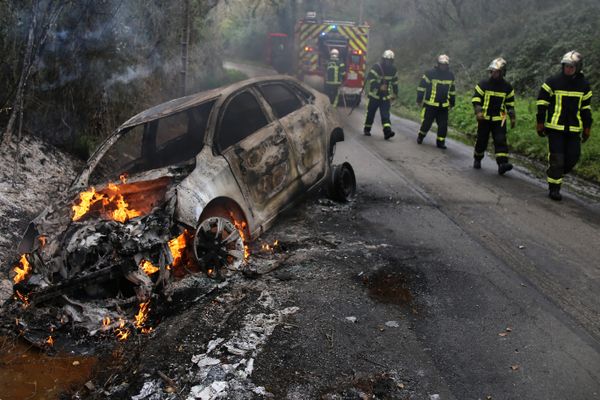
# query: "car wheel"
x,y
342,186
218,245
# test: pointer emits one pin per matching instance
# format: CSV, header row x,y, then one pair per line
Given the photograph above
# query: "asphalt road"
x,y
437,282
502,284
512,295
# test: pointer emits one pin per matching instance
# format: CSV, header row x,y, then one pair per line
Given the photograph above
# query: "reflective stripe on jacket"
x,y
335,72
496,97
382,83
436,88
564,103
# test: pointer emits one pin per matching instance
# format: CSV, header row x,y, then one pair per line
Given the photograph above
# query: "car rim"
x,y
218,244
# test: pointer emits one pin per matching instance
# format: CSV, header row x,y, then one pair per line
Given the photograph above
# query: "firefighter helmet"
x,y
498,64
388,55
574,59
443,59
334,54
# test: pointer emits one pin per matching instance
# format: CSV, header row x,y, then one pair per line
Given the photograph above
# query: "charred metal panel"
x,y
264,168
305,131
212,178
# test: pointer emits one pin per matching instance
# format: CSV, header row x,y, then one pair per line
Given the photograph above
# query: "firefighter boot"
x,y
367,132
420,138
477,164
441,144
504,168
554,191
388,133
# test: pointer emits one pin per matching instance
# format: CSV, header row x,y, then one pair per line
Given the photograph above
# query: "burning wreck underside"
x,y
119,249
176,191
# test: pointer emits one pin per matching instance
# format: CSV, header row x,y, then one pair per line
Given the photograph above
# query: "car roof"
x,y
177,105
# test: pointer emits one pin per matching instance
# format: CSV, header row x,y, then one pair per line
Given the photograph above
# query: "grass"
x,y
522,140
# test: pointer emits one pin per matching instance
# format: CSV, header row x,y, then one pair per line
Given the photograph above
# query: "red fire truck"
x,y
314,40
278,52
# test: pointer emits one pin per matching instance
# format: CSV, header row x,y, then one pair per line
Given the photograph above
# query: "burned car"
x,y
184,186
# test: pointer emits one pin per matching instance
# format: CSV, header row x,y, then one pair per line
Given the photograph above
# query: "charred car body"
x,y
184,185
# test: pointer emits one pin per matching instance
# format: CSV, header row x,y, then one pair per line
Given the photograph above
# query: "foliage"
x,y
103,61
522,140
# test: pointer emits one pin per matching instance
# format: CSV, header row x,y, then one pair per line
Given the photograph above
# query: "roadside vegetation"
x,y
522,140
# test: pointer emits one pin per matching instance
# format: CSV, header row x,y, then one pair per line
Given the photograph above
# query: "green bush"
x,y
522,140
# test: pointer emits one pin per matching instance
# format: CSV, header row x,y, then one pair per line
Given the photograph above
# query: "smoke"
x,y
131,73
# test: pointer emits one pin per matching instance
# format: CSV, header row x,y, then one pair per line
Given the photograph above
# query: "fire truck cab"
x,y
314,41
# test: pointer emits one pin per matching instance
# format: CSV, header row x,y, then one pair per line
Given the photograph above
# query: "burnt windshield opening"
x,y
174,140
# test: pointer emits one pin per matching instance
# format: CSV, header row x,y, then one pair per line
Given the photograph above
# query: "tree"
x,y
36,38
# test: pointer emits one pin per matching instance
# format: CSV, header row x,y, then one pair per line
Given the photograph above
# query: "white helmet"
x,y
443,59
573,58
334,54
388,55
498,64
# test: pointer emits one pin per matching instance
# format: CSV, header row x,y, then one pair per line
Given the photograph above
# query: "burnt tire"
x,y
218,245
342,186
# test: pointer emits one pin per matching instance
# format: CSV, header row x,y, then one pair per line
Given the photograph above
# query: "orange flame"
x,y
43,240
105,321
148,268
241,227
142,316
122,332
123,178
50,341
177,245
23,298
87,199
266,247
22,269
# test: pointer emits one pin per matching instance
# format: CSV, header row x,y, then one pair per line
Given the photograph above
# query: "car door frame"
x,y
263,151
303,144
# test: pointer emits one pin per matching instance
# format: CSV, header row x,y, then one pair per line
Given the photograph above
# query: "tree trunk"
x,y
27,62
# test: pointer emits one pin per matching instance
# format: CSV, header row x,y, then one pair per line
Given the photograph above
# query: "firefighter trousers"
x,y
498,132
564,149
384,112
429,114
332,92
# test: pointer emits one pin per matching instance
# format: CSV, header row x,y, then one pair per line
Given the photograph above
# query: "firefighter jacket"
x,y
494,98
382,82
564,103
335,72
436,88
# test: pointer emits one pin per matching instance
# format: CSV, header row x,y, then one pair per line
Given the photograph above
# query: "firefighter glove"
x,y
479,116
586,135
540,129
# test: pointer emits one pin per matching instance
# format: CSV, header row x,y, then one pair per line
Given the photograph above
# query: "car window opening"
x,y
242,117
282,100
169,141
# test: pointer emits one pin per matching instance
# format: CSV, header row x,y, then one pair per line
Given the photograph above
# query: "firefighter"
x,y
336,70
493,99
436,94
564,115
382,86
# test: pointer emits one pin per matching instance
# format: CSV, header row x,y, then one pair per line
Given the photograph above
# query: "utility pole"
x,y
185,40
360,12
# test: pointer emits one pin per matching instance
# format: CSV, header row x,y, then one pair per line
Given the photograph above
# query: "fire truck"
x,y
314,40
278,52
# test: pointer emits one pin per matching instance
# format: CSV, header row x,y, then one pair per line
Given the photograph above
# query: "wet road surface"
x,y
512,306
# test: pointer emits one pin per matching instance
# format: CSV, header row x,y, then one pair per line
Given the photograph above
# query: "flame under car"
x,y
184,186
